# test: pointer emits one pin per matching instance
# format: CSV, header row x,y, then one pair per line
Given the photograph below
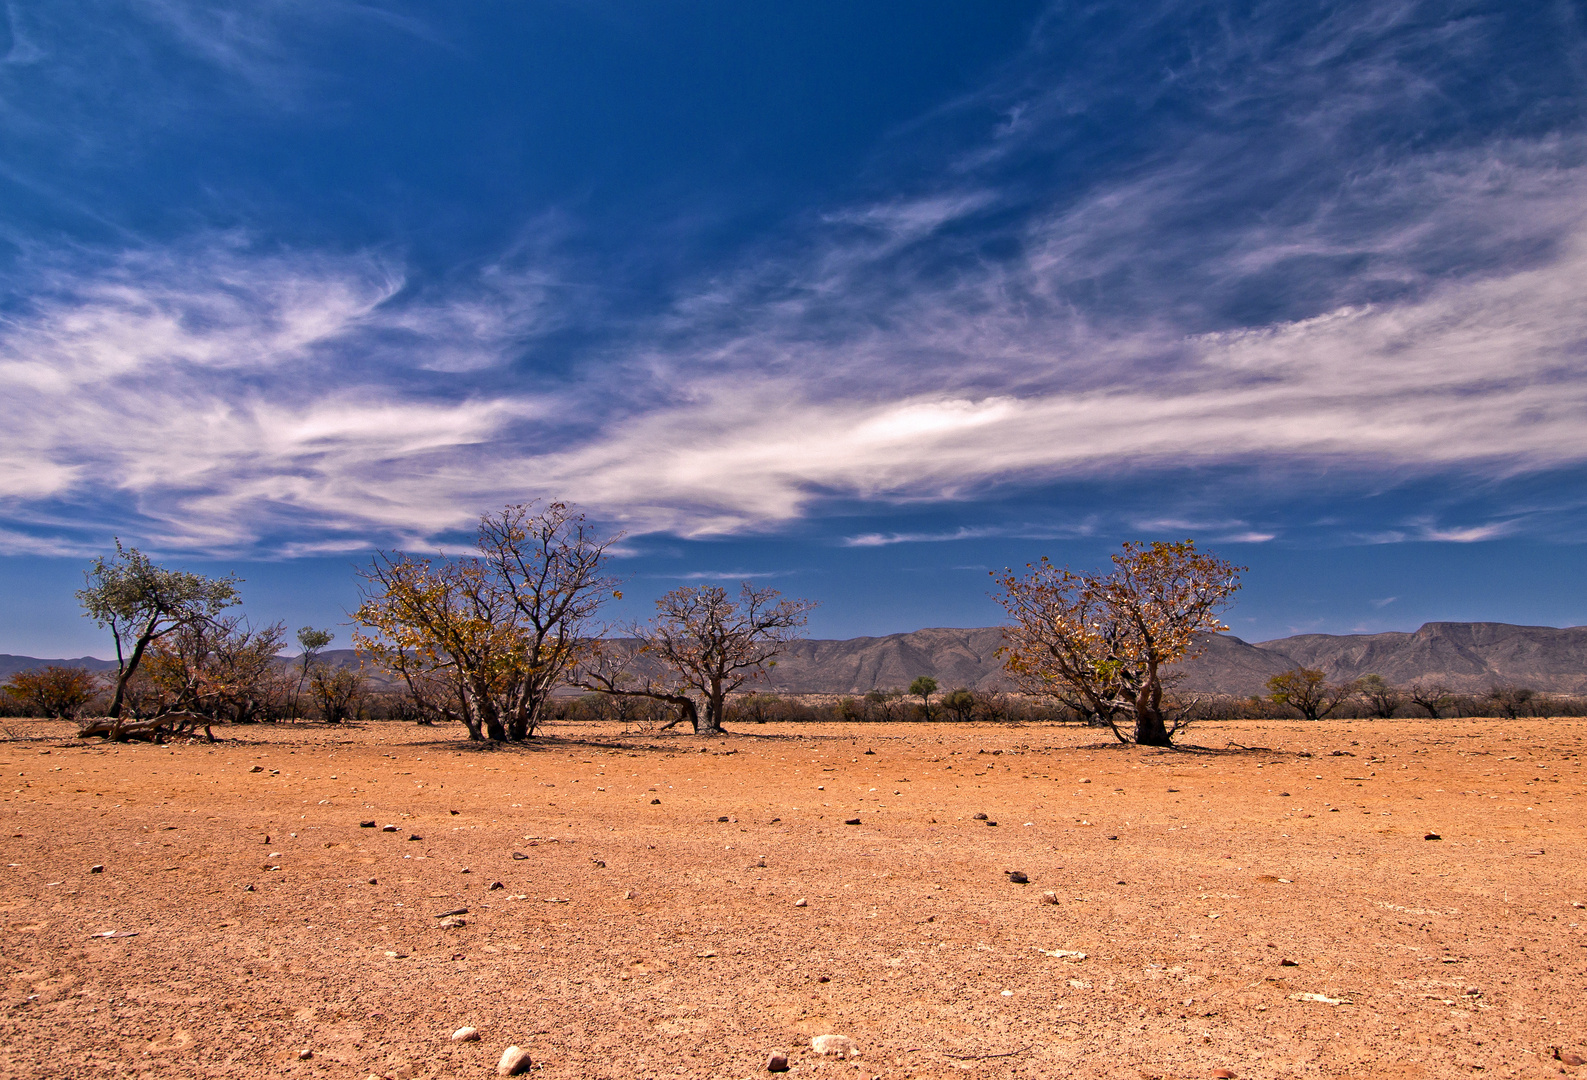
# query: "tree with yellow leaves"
x,y
1106,639
484,640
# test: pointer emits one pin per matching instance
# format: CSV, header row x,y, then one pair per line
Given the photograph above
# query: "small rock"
x,y
415,837
628,894
495,885
993,824
366,824
257,768
247,888
388,828
466,1034
837,1045
801,902
871,752
1289,963
452,923
655,802
514,1060
97,868
374,881
980,817
1049,897
778,1062
823,978
519,856
454,911
723,818
1573,1060
304,1055
1018,877
852,821
1223,1074
1432,836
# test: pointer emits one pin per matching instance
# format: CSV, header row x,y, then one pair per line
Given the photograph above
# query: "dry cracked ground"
x,y
1262,904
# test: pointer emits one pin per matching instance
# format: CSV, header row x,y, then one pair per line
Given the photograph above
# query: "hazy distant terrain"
x,y
1463,656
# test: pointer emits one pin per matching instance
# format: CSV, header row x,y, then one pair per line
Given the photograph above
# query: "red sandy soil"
x,y
638,939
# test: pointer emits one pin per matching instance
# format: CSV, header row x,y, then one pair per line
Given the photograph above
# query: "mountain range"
x,y
1468,657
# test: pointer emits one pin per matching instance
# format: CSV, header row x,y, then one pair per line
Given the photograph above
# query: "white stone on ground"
x,y
466,1034
514,1060
840,1045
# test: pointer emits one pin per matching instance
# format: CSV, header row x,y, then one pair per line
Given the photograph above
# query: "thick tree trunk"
x,y
1150,729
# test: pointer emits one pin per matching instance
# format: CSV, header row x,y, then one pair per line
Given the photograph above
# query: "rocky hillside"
x,y
1463,656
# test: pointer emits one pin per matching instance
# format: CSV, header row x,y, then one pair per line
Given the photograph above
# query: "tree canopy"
x,y
1106,638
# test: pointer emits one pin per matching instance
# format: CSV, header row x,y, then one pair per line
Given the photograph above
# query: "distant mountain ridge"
x,y
1467,657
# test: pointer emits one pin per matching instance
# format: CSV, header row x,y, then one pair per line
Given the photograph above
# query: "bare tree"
x,y
337,693
1434,697
619,670
220,669
1107,639
1382,698
712,645
485,640
1308,691
140,603
1510,701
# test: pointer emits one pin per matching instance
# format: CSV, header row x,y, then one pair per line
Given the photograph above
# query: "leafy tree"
x,y
485,640
1107,639
961,703
712,645
923,687
1308,691
1433,697
312,642
1510,701
140,603
59,693
337,692
1382,698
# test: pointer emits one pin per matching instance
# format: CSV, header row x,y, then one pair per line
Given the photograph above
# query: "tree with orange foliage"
x,y
59,693
485,640
1106,639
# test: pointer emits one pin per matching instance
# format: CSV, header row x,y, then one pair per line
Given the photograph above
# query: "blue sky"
x,y
862,300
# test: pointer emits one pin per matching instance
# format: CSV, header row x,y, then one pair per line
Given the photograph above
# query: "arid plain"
x,y
1261,902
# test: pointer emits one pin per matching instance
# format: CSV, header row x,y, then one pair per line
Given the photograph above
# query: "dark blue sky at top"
x,y
861,300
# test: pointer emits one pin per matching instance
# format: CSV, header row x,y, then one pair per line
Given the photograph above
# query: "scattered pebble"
x,y
519,856
496,885
305,1055
723,818
514,1060
838,1045
1289,963
1573,1060
852,821
823,978
655,802
778,1062
1223,1074
452,923
628,894
1049,897
454,911
366,824
97,868
415,837
1017,877
801,902
388,828
1432,836
466,1034
257,768
980,817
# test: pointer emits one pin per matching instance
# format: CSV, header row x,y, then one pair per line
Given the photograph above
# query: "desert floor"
x,y
1263,902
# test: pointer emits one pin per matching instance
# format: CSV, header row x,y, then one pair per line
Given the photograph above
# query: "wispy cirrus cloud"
x,y
1297,255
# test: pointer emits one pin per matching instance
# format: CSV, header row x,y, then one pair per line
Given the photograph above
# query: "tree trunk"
x,y
1149,728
